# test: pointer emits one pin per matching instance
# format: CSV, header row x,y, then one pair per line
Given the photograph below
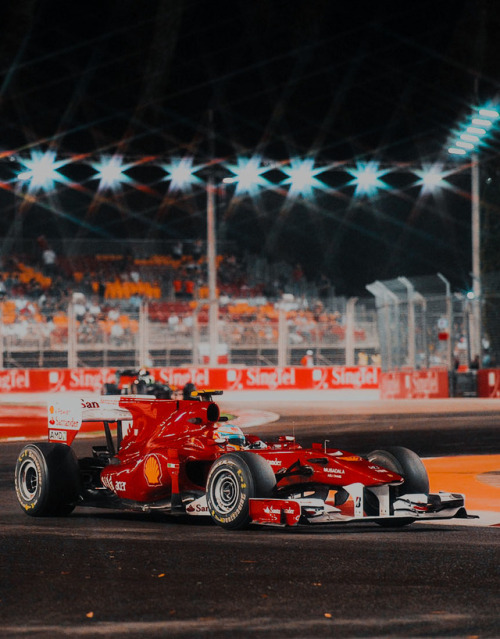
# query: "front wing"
x,y
290,512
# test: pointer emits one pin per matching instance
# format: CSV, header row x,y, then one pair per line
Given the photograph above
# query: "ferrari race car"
x,y
182,457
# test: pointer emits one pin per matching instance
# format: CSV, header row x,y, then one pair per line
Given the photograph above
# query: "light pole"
x,y
213,312
469,141
476,341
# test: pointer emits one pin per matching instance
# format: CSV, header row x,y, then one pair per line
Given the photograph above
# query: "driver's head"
x,y
233,435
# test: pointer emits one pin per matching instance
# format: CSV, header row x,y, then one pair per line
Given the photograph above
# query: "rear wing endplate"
x,y
67,414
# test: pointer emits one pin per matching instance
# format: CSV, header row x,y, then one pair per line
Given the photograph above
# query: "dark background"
x,y
328,80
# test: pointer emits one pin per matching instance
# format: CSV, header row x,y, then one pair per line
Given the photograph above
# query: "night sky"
x,y
322,79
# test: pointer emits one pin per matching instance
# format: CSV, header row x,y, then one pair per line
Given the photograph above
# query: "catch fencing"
x,y
423,324
162,333
409,323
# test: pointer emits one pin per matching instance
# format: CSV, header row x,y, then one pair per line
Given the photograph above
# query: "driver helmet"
x,y
145,376
235,439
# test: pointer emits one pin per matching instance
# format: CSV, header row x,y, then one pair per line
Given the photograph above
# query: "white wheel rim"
x,y
28,479
225,491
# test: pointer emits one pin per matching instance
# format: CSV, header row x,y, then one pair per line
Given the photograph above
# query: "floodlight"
x,y
367,178
302,176
481,122
469,138
111,172
431,177
476,130
247,175
40,171
489,113
181,173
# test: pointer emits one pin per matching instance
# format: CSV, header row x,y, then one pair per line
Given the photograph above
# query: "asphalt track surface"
x,y
110,574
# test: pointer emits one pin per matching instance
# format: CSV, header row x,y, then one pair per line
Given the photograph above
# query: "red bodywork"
x,y
178,456
171,445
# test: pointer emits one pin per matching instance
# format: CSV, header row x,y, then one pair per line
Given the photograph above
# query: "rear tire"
x,y
407,464
47,480
233,480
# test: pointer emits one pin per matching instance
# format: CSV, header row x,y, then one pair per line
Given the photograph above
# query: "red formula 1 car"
x,y
182,457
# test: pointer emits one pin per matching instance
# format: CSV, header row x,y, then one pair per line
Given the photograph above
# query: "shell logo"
x,y
152,471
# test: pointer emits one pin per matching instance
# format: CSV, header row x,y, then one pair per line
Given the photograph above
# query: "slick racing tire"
x,y
47,480
233,480
407,464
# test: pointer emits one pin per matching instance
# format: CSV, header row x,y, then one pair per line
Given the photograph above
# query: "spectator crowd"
x,y
105,293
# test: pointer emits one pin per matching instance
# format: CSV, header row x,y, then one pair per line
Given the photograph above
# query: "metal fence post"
x,y
411,320
282,337
72,337
195,356
1,338
349,331
449,319
143,335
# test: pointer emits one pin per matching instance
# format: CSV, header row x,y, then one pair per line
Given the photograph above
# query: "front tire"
x,y
47,479
407,464
233,480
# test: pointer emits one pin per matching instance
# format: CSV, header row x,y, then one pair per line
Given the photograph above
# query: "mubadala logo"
x,y
335,471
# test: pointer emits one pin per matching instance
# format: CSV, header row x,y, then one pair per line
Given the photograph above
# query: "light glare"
x,y
181,173
302,177
40,171
367,178
431,177
247,175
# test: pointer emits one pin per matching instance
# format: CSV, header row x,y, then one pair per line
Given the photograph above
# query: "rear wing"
x,y
67,414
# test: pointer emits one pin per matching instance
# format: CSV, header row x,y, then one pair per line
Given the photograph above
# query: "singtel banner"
x,y
227,378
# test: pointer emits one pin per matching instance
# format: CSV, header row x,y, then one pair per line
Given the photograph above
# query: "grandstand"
x,y
124,307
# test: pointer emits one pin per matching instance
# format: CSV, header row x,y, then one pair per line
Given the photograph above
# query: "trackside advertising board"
x,y
224,378
414,384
